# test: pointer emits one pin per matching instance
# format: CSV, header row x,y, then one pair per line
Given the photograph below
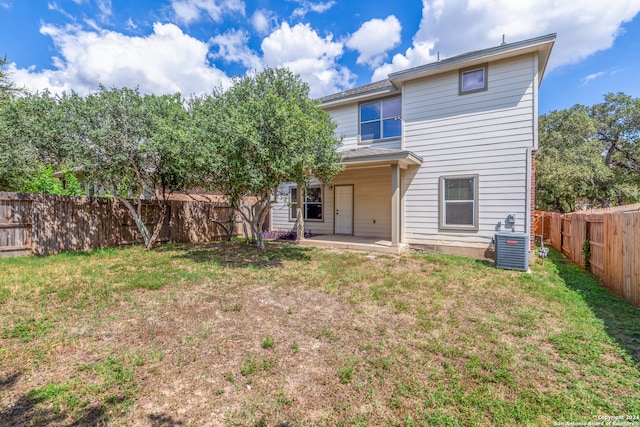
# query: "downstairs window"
x,y
312,203
459,202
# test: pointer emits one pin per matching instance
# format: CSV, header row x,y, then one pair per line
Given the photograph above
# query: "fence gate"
x,y
15,225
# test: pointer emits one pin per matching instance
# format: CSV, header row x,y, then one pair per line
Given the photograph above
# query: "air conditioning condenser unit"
x,y
512,251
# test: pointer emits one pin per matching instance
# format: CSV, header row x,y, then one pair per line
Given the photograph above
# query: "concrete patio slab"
x,y
366,244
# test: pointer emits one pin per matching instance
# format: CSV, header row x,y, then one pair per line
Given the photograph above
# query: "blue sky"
x,y
191,46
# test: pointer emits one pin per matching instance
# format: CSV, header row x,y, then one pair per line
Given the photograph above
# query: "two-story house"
x,y
437,156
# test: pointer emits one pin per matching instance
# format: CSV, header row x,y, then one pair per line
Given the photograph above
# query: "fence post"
x,y
580,233
627,252
634,260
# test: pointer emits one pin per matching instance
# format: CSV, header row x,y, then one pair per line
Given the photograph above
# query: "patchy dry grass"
x,y
220,334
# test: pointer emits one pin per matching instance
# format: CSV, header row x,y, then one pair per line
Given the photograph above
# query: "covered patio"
x,y
362,208
360,164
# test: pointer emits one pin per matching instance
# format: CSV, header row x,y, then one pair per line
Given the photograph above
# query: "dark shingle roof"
x,y
379,86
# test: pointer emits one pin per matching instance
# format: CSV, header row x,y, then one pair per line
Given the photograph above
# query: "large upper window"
x,y
312,203
473,79
459,202
381,119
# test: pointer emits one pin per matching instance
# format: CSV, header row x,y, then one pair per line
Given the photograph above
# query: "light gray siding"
x,y
347,119
485,133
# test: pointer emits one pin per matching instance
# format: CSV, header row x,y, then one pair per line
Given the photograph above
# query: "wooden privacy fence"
x,y
613,245
46,224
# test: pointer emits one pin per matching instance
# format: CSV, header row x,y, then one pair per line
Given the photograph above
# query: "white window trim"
x,y
293,202
484,68
381,120
443,203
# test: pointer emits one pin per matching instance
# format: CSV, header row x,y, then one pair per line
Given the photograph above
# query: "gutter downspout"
x,y
529,159
527,217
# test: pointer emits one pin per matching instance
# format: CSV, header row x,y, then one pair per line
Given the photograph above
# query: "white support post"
x,y
395,204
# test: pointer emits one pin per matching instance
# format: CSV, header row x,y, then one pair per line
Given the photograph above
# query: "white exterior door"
x,y
344,209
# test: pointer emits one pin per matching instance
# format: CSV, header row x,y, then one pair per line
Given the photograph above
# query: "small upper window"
x,y
473,79
381,119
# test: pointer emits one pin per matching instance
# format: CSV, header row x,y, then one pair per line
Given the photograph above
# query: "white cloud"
x,y
458,26
92,24
232,47
307,6
262,21
289,43
188,11
421,53
165,61
321,7
105,9
303,51
374,38
56,8
168,60
591,77
583,28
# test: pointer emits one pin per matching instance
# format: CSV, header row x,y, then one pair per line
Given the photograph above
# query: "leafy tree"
x,y
618,131
568,160
7,88
16,159
258,134
33,131
130,145
47,183
16,155
589,155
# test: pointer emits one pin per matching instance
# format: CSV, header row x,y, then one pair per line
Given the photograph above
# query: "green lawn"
x,y
221,334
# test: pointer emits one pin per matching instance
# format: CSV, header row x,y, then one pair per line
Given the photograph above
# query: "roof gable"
x,y
542,45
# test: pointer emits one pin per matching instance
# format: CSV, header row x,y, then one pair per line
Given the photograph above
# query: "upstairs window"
x,y
473,79
312,203
381,119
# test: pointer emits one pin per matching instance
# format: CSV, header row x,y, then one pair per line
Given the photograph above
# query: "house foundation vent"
x,y
512,251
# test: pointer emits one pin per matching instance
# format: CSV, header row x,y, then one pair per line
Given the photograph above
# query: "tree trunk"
x,y
135,213
258,234
244,229
149,238
262,210
158,227
137,218
300,213
255,217
230,225
604,202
